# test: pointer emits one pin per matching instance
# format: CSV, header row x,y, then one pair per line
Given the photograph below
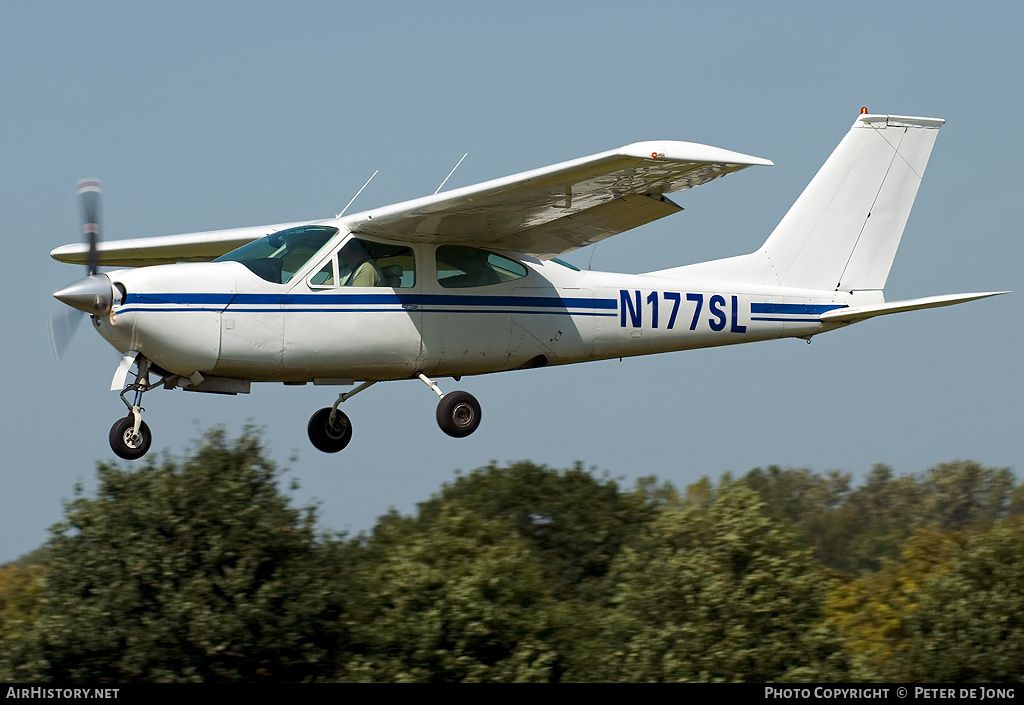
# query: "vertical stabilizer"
x,y
843,230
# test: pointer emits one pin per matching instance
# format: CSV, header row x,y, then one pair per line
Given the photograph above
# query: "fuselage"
x,y
222,319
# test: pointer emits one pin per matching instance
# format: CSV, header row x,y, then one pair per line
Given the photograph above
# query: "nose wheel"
x,y
128,442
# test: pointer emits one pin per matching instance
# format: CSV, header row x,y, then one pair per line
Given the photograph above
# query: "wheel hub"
x,y
337,429
463,415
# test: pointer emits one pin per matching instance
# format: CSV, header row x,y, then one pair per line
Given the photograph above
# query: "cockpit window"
x,y
460,267
279,256
366,263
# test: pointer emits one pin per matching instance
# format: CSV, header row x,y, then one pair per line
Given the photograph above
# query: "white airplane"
x,y
467,282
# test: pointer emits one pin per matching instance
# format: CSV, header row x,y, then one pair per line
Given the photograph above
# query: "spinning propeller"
x,y
92,295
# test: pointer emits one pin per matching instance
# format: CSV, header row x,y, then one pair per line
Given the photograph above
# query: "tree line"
x,y
200,569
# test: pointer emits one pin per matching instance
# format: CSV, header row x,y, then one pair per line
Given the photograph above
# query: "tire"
x,y
458,414
327,438
123,441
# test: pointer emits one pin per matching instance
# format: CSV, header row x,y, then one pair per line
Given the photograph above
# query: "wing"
x,y
557,209
167,249
543,213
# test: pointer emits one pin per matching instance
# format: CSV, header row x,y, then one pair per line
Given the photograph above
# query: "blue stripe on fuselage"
x,y
804,309
318,302
790,312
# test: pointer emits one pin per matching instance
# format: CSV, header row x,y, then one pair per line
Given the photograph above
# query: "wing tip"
x,y
674,150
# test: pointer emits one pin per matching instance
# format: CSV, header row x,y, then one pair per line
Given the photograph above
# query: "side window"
x,y
460,267
365,263
327,277
398,267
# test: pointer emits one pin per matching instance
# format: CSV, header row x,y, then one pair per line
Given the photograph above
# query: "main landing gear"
x,y
330,430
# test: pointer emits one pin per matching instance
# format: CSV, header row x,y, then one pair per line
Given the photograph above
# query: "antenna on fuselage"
x,y
450,173
357,195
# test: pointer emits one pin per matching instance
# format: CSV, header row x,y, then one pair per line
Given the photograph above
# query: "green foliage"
x,y
808,501
199,569
856,530
716,592
525,549
965,495
464,600
969,626
190,571
573,523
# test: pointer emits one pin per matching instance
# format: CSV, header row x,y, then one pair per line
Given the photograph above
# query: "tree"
x,y
478,551
810,502
871,611
716,593
857,530
463,600
965,495
574,523
969,626
20,599
198,570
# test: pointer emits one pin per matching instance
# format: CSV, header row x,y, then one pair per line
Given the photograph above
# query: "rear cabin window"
x,y
460,267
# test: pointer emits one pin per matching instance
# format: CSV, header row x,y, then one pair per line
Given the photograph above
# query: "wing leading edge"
x,y
167,249
543,213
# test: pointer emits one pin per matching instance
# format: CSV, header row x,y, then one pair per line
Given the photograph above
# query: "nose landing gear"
x,y
130,437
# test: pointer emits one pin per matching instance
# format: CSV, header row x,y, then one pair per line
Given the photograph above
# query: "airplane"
x,y
468,281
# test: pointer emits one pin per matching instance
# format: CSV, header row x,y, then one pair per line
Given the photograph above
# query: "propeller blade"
x,y
88,295
62,328
89,191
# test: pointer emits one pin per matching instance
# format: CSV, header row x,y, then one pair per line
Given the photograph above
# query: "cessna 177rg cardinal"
x,y
467,282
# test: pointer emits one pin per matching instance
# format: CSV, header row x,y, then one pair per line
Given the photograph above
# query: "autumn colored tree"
x,y
870,613
21,592
969,624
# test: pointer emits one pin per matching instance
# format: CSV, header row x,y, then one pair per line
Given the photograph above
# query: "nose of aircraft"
x,y
94,294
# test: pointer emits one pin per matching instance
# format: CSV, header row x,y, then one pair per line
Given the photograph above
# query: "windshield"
x,y
279,256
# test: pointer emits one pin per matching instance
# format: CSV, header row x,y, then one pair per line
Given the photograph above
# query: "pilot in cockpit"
x,y
357,267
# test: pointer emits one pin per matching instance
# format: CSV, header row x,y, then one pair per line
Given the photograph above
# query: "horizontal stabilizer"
x,y
852,314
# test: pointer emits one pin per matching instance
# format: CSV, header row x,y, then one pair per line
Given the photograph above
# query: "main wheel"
x,y
125,443
328,437
458,414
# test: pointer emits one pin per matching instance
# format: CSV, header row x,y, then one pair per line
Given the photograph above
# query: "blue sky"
x,y
206,115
